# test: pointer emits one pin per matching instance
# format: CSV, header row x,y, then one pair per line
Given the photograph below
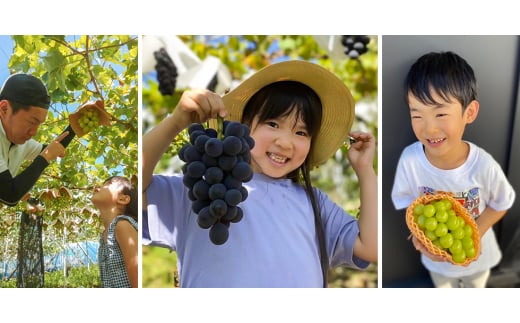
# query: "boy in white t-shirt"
x,y
441,93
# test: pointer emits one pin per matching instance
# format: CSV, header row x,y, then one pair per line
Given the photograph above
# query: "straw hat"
x,y
337,102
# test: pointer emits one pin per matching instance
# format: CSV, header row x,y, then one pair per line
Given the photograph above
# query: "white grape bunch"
x,y
89,119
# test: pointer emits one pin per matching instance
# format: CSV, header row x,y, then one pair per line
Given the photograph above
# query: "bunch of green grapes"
x,y
447,230
89,119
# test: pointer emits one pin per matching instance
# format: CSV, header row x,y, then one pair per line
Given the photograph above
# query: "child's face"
x,y
440,127
281,145
106,194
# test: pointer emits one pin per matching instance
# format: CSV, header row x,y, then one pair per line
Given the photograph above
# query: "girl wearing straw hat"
x,y
291,233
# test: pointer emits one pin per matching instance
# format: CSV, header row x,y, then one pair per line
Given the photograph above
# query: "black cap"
x,y
25,89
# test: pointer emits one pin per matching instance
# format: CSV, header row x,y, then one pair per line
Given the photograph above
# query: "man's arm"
x,y
13,189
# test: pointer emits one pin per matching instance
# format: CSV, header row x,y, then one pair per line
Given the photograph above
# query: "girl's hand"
x,y
361,153
197,106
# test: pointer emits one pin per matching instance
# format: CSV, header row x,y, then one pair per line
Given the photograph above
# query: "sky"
x,y
6,48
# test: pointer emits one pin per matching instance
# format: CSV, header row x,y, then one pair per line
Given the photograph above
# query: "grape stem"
x,y
220,121
220,127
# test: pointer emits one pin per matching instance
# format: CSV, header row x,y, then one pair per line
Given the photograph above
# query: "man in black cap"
x,y
24,104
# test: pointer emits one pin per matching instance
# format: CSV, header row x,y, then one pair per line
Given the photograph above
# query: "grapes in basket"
x,y
216,166
446,229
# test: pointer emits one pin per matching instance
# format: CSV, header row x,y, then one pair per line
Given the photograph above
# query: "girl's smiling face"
x,y
281,145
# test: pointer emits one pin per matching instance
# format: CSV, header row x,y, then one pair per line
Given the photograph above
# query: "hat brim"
x,y
337,102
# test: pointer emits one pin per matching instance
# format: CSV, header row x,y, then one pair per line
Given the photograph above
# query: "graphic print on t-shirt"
x,y
470,199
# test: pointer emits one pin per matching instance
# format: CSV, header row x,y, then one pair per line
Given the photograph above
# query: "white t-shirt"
x,y
12,156
479,182
274,245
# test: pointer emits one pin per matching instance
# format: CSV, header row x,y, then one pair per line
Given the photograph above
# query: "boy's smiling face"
x,y
440,127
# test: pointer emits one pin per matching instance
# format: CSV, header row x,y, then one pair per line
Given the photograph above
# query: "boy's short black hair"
x,y
443,73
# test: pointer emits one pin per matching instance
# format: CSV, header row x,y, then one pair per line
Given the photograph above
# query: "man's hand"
x,y
55,149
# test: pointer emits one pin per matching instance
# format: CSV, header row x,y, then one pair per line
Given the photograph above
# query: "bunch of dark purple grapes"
x,y
166,72
217,163
355,45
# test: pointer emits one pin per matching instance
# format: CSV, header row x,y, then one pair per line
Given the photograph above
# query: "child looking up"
x,y
116,200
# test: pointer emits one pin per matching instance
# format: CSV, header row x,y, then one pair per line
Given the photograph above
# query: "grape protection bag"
x,y
444,227
88,117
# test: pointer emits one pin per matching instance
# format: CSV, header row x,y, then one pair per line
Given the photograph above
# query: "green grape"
x,y
89,120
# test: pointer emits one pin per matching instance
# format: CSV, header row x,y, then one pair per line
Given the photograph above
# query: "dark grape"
x,y
181,153
246,156
238,216
214,147
194,127
347,41
212,133
204,219
213,175
198,205
201,190
218,208
191,196
195,134
242,171
244,193
230,214
354,46
195,169
234,129
189,181
233,197
209,161
232,182
191,154
246,130
217,191
226,162
232,145
200,142
219,233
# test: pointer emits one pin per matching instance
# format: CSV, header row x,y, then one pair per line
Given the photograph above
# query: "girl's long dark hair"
x,y
129,189
280,99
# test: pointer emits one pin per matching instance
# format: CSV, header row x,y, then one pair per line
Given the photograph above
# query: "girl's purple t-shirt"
x,y
274,245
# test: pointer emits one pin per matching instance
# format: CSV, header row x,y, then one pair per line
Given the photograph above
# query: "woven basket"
x,y
104,117
459,210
